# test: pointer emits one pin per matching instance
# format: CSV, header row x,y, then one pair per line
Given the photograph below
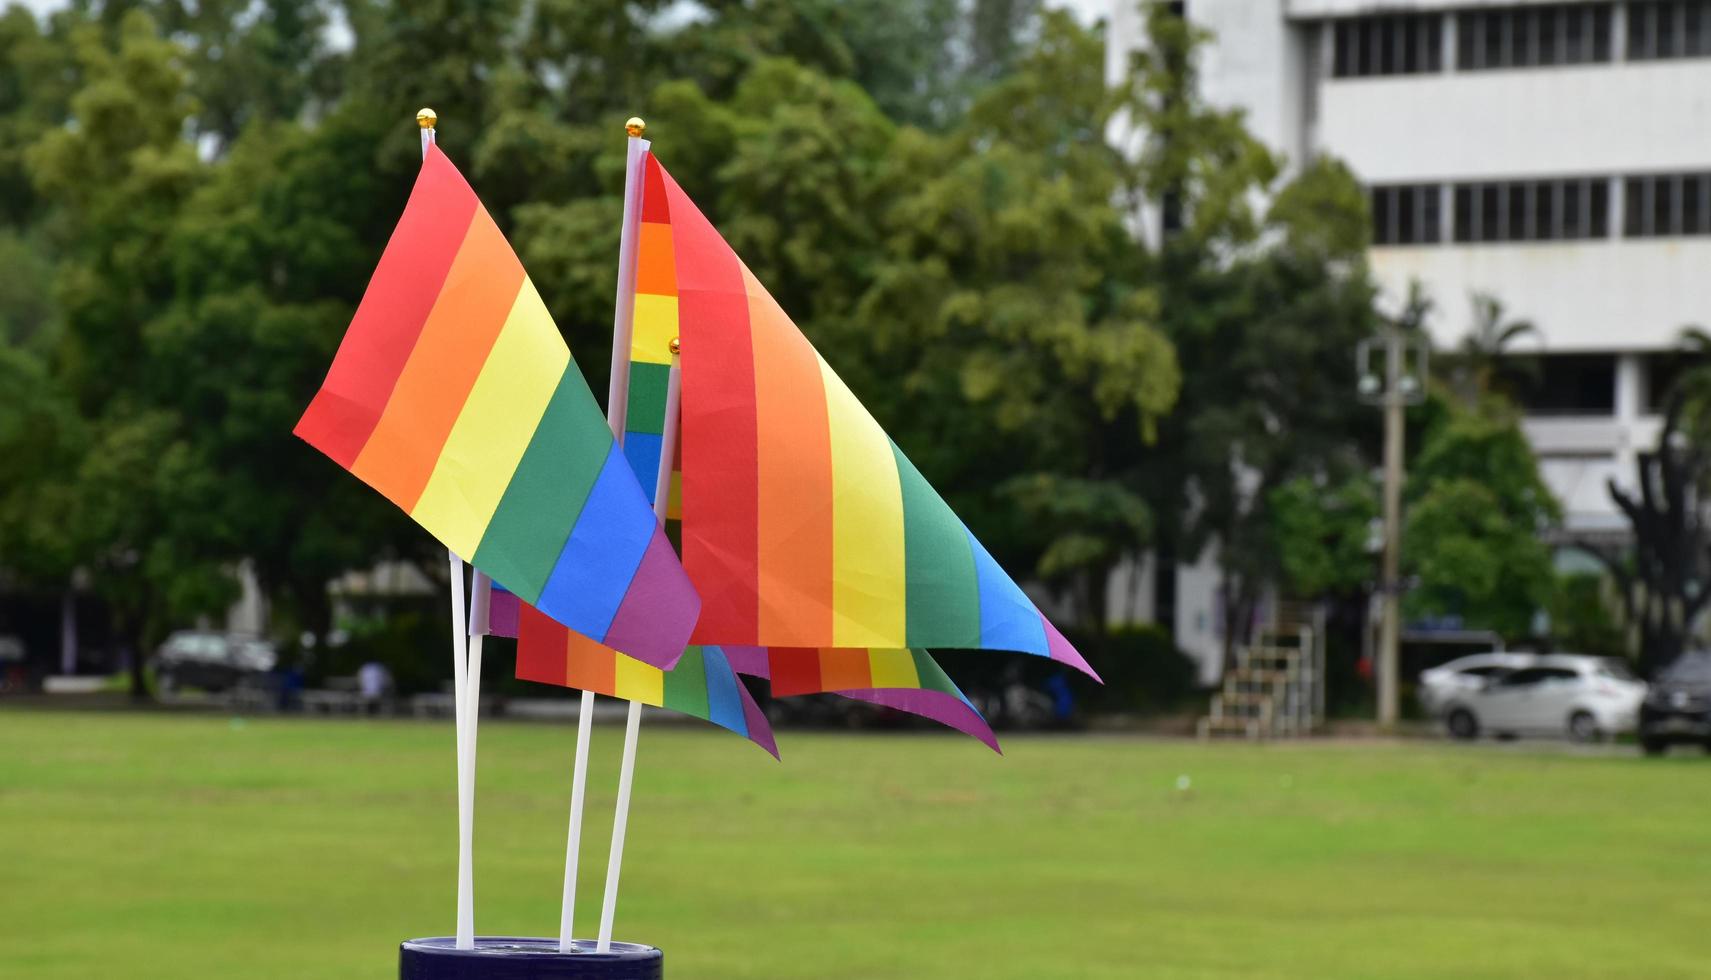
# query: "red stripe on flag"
x,y
795,670
403,289
720,465
655,207
540,647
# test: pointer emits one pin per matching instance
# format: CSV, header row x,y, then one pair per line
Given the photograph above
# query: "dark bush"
x,y
1143,670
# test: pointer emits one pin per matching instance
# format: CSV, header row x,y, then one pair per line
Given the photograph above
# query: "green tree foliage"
x,y
1476,508
1582,617
1477,367
1324,534
1264,308
927,187
1474,513
206,187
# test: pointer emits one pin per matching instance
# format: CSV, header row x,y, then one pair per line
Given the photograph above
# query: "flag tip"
x,y
635,126
426,117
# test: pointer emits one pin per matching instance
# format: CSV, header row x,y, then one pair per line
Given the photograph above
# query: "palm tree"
x,y
1416,308
1476,363
1693,384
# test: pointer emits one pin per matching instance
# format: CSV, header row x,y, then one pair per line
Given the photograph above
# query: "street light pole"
x,y
1400,384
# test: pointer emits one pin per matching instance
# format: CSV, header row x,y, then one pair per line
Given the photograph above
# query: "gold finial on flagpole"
x,y
676,346
635,127
426,118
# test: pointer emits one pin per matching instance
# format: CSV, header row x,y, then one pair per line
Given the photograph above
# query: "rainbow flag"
x,y
919,688
909,681
654,326
804,525
454,395
906,680
702,685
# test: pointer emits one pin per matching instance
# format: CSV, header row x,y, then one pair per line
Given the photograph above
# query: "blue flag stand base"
x,y
514,958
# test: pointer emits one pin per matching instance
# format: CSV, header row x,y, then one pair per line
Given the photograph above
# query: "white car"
x,y
1586,698
1439,685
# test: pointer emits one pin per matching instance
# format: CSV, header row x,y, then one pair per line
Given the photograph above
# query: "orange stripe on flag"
x,y
473,304
656,269
845,669
795,485
590,666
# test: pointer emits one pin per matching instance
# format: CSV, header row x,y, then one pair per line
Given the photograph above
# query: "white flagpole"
x,y
425,120
480,595
623,310
633,724
617,412
465,785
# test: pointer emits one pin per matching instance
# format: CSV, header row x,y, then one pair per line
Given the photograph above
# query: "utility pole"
x,y
1392,369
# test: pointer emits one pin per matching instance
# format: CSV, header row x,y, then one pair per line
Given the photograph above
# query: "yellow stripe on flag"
x,y
868,596
893,668
494,428
636,681
654,328
674,497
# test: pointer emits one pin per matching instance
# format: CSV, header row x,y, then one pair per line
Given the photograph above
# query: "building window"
x,y
1388,44
1532,210
1662,372
1534,36
1669,29
1563,384
1405,214
1655,205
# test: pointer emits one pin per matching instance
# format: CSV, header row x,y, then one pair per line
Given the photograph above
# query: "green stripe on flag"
x,y
547,491
941,590
647,397
686,685
933,677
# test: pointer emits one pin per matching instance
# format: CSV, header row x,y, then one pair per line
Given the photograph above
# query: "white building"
x,y
1556,155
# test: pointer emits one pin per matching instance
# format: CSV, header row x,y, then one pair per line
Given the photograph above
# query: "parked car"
x,y
1586,698
1438,685
1678,707
211,661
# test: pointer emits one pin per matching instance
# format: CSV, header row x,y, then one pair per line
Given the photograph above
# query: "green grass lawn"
x,y
193,846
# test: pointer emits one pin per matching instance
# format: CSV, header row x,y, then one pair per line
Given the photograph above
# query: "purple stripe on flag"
x,y
502,613
660,603
938,706
749,661
760,730
1061,650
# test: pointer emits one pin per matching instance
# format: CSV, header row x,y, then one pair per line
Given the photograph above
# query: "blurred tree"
x,y
926,186
1484,363
1323,533
38,75
1475,515
1010,294
250,60
1475,518
1264,309
41,441
1582,620
115,178
270,257
1663,578
972,287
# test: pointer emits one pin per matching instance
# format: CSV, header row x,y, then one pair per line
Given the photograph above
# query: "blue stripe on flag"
x,y
600,558
724,705
642,450
1008,619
